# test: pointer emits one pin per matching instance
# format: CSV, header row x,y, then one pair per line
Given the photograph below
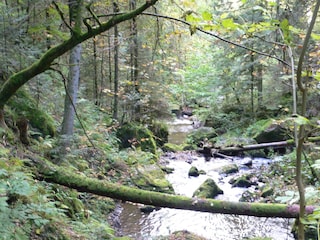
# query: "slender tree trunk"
x,y
74,72
252,83
95,72
260,85
134,64
303,89
116,67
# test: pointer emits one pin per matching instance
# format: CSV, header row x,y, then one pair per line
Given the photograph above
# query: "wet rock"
x,y
182,235
248,196
228,169
208,189
272,131
242,181
247,162
151,177
167,170
193,172
267,191
148,209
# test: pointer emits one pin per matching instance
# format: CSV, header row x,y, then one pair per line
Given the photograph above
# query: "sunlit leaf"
x,y
317,76
315,36
207,16
224,15
228,23
192,19
300,120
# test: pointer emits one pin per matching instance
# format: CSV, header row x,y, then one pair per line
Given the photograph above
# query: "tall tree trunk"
x,y
260,85
252,83
134,64
95,73
116,67
74,72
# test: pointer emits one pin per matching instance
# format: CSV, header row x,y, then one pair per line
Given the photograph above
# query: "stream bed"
x,y
147,226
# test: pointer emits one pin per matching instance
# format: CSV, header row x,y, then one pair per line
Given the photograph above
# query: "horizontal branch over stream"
x,y
55,174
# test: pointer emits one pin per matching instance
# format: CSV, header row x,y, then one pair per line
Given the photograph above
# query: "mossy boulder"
x,y
182,235
208,189
23,105
271,131
242,181
193,172
161,132
136,136
228,169
151,177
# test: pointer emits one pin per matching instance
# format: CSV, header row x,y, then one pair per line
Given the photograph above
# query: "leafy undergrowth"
x,y
34,209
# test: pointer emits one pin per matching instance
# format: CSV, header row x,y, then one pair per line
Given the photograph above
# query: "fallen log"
x,y
52,173
212,151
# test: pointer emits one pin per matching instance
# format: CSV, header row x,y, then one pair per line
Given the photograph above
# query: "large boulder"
x,y
151,177
272,131
136,136
208,189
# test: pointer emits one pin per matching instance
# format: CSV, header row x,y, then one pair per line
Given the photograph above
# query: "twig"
x,y
61,15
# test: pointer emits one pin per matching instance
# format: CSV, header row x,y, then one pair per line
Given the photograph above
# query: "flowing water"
x,y
142,226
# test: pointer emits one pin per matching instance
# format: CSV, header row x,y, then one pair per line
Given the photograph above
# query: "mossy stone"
x,y
208,189
228,169
242,181
161,132
151,177
136,136
193,172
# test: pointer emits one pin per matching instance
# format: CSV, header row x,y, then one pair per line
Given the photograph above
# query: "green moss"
x,y
160,131
136,136
23,105
208,189
193,171
151,177
228,169
171,147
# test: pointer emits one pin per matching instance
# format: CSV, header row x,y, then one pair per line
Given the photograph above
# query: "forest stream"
x,y
163,222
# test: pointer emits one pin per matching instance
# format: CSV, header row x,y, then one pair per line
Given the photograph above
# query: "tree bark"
x,y
74,72
55,174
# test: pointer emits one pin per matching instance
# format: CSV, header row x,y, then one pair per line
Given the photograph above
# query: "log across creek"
x,y
224,152
44,170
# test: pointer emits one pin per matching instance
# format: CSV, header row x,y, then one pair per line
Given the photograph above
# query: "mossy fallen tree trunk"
x,y
55,174
235,149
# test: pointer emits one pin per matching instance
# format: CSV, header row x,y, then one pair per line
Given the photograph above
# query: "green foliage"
x,y
25,106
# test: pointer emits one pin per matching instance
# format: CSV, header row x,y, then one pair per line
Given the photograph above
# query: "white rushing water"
x,y
211,226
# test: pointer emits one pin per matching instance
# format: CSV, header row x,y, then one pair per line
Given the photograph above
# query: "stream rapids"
x,y
163,222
